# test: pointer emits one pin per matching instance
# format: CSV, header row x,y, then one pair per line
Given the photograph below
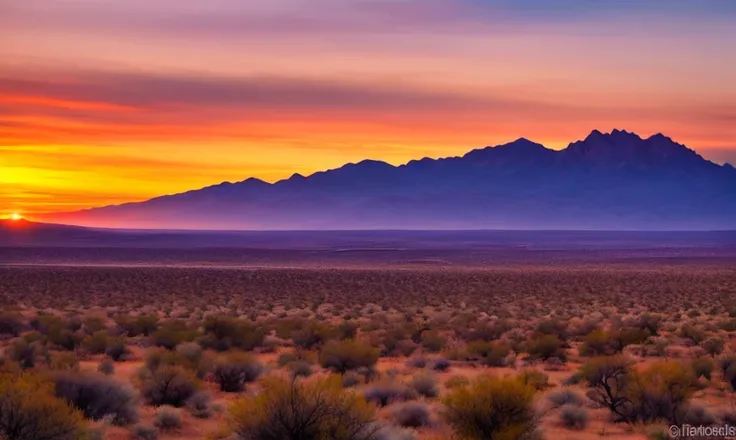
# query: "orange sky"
x,y
107,101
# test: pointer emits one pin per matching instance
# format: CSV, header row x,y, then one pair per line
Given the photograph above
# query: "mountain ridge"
x,y
604,180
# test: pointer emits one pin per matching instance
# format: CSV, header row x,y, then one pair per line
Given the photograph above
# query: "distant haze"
x,y
608,181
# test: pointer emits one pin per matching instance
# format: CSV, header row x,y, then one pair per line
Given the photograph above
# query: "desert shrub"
x,y
167,418
702,367
25,353
106,367
658,393
98,396
553,327
296,410
417,362
425,385
608,378
713,346
605,343
491,408
441,364
300,369
96,343
597,343
433,341
456,381
138,325
116,349
191,352
200,405
350,354
412,415
171,334
574,417
534,378
169,385
144,432
390,432
63,361
385,393
224,333
313,334
30,410
11,323
92,324
545,347
493,354
563,397
351,379
698,415
233,370
64,339
693,333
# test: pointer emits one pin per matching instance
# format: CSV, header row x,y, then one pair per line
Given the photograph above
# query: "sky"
x,y
109,101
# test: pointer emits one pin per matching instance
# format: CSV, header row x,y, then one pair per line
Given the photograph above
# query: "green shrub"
x,y
143,432
233,370
493,354
545,347
29,410
349,354
116,349
433,341
63,361
11,323
138,325
296,410
200,405
224,333
534,378
96,343
491,408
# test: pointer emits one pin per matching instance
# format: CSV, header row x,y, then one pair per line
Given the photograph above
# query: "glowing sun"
x,y
15,216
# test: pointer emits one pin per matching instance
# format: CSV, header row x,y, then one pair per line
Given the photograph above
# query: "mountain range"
x,y
608,181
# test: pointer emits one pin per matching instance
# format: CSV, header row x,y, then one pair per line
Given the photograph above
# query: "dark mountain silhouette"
x,y
607,181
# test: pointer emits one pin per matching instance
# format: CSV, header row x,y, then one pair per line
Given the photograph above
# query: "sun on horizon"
x,y
15,217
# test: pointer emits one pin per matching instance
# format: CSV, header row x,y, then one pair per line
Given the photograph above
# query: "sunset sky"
x,y
107,101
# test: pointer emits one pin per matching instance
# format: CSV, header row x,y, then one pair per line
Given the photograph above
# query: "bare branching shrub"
x,y
169,385
301,409
658,393
30,410
98,396
233,370
492,408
